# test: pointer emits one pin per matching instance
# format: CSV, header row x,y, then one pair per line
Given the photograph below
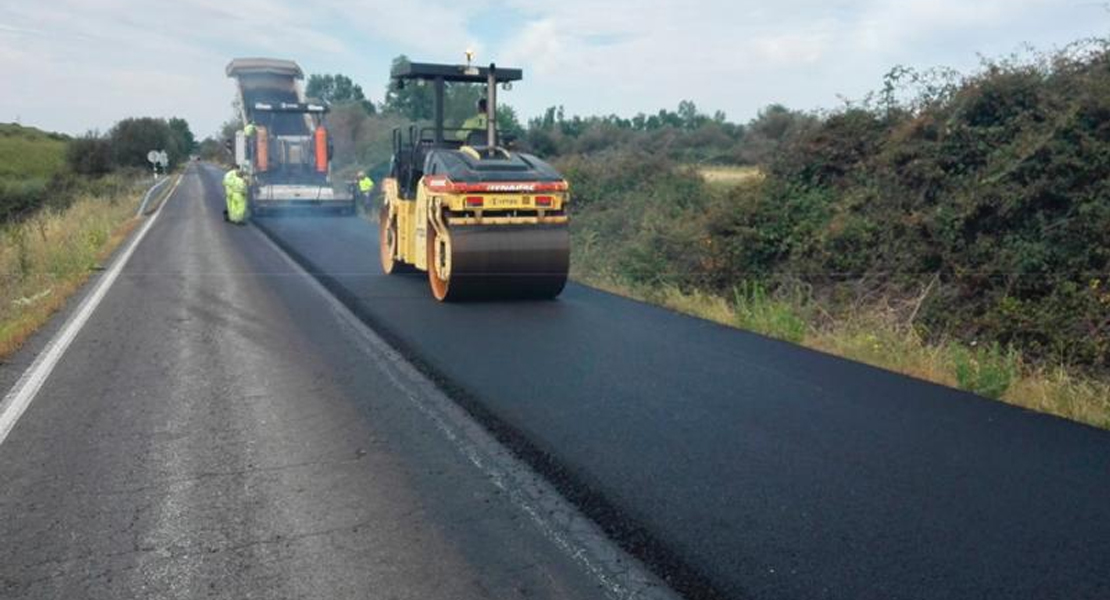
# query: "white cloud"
x,y
741,55
76,64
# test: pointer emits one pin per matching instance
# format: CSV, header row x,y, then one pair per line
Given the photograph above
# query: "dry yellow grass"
x,y
1055,391
888,347
730,176
877,340
47,258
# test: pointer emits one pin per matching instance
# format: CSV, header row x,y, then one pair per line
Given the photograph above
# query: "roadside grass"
x,y
875,338
47,257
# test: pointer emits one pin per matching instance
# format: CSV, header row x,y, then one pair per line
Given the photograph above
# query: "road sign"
x,y
158,158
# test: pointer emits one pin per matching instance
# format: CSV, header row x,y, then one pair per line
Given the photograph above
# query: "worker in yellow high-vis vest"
x,y
476,123
235,191
365,186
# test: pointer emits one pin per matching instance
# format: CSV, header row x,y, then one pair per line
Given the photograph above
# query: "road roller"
x,y
483,221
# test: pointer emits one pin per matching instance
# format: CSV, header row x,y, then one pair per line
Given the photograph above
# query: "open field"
x,y
727,176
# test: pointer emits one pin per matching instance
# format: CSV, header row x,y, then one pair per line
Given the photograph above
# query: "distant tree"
x,y
210,149
337,89
551,116
507,121
774,122
772,127
232,124
90,154
127,145
413,101
460,102
228,129
320,87
133,138
184,143
688,114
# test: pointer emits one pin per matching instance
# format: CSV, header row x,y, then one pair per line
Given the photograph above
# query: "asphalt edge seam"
x,y
559,519
626,531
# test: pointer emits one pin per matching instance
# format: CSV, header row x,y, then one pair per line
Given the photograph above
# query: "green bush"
x,y
757,311
19,197
987,371
89,155
997,189
643,217
989,191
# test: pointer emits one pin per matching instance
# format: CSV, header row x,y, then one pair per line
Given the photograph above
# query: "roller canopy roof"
x,y
271,66
453,73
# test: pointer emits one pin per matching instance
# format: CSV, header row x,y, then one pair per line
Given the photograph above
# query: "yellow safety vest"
x,y
236,184
477,122
365,185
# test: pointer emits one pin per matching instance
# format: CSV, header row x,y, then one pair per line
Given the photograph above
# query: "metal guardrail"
x,y
150,194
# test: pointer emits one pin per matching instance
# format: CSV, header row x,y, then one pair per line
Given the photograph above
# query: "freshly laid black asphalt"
x,y
744,467
216,431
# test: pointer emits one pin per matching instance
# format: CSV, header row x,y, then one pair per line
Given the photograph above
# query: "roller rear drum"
x,y
498,262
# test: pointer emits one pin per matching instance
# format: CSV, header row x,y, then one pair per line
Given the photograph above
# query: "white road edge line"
x,y
622,576
21,395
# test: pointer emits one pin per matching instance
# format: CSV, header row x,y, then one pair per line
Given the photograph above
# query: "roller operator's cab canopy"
x,y
453,73
442,74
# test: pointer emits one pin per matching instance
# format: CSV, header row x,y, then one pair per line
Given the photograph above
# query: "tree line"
x,y
95,163
685,134
127,143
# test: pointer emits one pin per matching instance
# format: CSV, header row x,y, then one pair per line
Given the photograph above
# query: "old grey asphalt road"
x,y
218,429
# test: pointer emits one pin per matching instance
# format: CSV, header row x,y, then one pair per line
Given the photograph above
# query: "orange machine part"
x,y
321,149
262,149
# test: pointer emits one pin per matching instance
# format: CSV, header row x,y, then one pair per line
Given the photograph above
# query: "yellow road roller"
x,y
484,222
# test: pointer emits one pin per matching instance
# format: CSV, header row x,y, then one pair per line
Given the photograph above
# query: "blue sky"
x,y
75,65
